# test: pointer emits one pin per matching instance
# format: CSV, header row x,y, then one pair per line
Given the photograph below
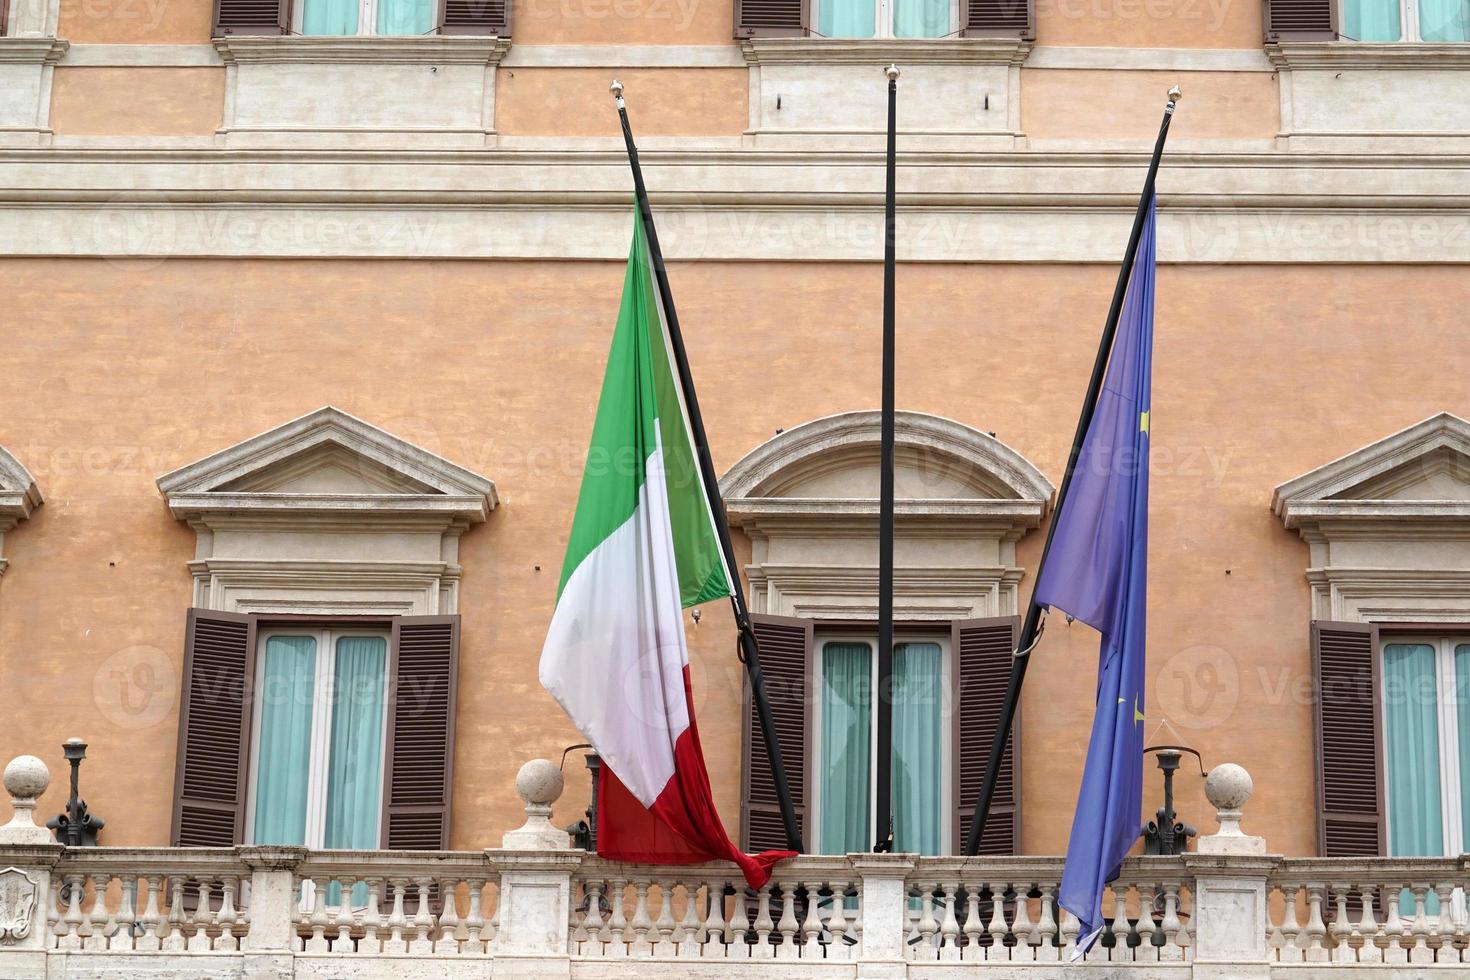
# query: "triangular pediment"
x,y
19,494
1421,472
328,461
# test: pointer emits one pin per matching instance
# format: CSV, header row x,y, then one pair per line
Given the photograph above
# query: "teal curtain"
x,y
918,701
329,17
846,720
1444,20
1371,20
355,760
283,760
1411,700
846,18
405,16
921,18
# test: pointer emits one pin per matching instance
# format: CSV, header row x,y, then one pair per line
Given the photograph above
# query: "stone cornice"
x,y
32,50
1359,55
879,52
427,49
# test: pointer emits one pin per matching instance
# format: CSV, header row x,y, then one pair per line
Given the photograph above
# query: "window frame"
x,y
846,633
1447,709
326,633
1409,26
883,22
367,21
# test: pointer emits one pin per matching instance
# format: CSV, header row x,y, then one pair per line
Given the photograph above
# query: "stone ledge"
x,y
430,49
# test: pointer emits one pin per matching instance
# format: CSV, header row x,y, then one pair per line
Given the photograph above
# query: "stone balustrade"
x,y
536,908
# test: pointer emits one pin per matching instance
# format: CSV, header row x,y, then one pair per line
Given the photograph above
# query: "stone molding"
x,y
880,51
429,49
806,499
19,496
1368,56
32,50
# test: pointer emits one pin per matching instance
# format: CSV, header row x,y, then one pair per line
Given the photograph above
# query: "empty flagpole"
x,y
1032,625
883,839
750,649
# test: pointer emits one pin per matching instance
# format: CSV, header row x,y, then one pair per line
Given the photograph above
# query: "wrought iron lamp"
x,y
1166,834
76,827
584,832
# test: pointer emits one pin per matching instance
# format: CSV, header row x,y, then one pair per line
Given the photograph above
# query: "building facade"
x,y
309,305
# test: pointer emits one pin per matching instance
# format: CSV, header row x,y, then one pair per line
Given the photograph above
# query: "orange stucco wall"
x,y
572,101
1150,23
136,21
137,101
131,369
1097,104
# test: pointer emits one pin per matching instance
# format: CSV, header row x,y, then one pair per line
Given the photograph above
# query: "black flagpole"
x,y
1031,629
750,649
883,840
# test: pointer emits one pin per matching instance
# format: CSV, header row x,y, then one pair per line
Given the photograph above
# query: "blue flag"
x,y
1097,571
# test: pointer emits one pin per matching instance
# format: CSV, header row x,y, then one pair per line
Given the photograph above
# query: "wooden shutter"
x,y
981,664
423,676
999,18
786,654
1301,20
213,758
487,18
770,18
1349,736
251,17
4,17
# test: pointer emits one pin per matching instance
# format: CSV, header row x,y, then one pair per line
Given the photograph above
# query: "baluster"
x,y
1367,927
226,941
716,935
641,947
927,927
1122,929
617,922
1316,929
811,926
1421,952
973,928
397,920
55,928
665,923
997,950
492,924
1021,927
97,918
690,935
318,920
120,935
342,941
174,942
763,925
371,943
949,923
739,931
788,924
1394,929
1070,928
1171,951
1448,952
448,939
1342,950
152,921
837,927
474,923
856,931
1046,929
423,918
1291,930
1146,951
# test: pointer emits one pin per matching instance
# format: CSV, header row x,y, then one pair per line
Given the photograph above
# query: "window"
x,y
846,743
1406,20
1427,741
885,18
320,719
365,17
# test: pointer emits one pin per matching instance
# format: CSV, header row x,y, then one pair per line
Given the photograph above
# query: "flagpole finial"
x,y
616,88
892,72
1175,94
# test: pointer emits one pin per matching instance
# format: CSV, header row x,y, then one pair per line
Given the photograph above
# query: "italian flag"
x,y
643,548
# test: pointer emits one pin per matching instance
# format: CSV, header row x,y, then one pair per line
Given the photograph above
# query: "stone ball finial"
x,y
539,782
26,777
1228,786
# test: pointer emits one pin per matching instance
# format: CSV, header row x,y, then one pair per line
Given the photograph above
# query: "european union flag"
x,y
1097,571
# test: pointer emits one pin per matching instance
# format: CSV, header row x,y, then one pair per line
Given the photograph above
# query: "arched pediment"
x,y
941,467
808,501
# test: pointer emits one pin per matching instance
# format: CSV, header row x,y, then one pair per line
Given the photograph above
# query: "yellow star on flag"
x,y
1143,422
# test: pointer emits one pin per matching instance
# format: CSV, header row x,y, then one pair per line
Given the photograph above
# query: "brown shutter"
x,y
213,758
999,18
423,674
1301,20
770,18
786,654
981,670
1349,736
485,18
4,16
252,17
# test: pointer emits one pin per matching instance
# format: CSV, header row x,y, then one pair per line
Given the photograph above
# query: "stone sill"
x,y
1364,55
32,50
878,52
426,50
